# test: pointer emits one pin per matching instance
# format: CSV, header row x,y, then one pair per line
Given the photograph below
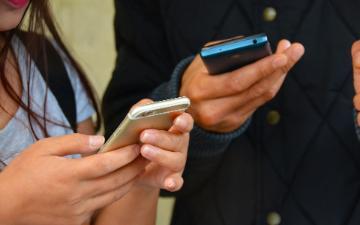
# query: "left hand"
x,y
167,153
356,68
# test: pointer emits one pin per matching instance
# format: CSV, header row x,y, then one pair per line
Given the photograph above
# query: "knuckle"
x,y
257,91
178,143
234,85
179,166
103,164
74,199
196,94
116,181
131,153
167,138
270,94
80,211
285,69
210,118
262,70
41,143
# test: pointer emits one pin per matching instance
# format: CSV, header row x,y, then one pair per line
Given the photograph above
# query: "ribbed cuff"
x,y
171,89
202,143
357,127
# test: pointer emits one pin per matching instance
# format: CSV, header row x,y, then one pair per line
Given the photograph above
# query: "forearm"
x,y
138,207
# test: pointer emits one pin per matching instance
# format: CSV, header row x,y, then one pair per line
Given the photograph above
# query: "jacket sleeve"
x,y
357,127
144,69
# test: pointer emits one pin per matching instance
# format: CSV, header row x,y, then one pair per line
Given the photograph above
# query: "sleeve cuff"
x,y
207,144
357,127
202,143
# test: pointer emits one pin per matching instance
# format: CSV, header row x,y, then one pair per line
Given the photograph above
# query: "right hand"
x,y
40,186
224,102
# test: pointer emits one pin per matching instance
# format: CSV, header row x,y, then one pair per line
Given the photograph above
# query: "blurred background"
x,y
87,28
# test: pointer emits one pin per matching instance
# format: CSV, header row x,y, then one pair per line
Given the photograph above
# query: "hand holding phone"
x,y
158,115
224,103
162,129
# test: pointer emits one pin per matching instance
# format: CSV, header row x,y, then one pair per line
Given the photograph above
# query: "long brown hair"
x,y
39,21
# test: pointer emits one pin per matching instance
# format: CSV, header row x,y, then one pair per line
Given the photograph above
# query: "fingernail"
x,y
297,53
287,44
279,61
96,142
147,137
170,184
181,123
149,151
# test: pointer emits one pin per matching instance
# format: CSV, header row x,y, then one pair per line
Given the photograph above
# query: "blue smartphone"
x,y
234,53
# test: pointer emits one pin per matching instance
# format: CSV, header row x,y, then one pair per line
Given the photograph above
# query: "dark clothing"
x,y
305,163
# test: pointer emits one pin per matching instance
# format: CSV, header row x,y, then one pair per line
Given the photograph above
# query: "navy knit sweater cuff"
x,y
357,127
202,143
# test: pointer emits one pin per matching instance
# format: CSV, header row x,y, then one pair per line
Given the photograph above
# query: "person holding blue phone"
x,y
275,140
46,126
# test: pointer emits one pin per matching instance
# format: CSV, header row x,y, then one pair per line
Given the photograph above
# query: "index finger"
x,y
104,163
144,101
182,124
356,65
242,79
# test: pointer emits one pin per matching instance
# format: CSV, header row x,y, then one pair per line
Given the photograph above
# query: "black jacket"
x,y
300,156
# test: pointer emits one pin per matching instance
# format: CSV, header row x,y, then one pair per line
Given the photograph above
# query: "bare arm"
x,y
138,207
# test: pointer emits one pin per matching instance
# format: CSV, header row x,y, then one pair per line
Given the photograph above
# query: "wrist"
x,y
145,190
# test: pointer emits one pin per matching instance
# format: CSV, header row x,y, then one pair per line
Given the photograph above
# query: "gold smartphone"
x,y
158,115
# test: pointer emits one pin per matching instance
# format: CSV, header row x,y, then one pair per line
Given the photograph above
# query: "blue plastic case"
x,y
232,54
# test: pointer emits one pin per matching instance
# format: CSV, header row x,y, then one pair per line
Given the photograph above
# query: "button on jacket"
x,y
298,162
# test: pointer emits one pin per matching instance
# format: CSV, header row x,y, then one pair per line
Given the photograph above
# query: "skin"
x,y
224,102
166,164
355,52
10,17
42,187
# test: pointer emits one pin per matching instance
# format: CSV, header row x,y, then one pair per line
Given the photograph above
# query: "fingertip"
x,y
355,47
184,122
299,47
148,151
96,141
283,45
170,184
173,184
147,136
144,101
356,59
298,50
